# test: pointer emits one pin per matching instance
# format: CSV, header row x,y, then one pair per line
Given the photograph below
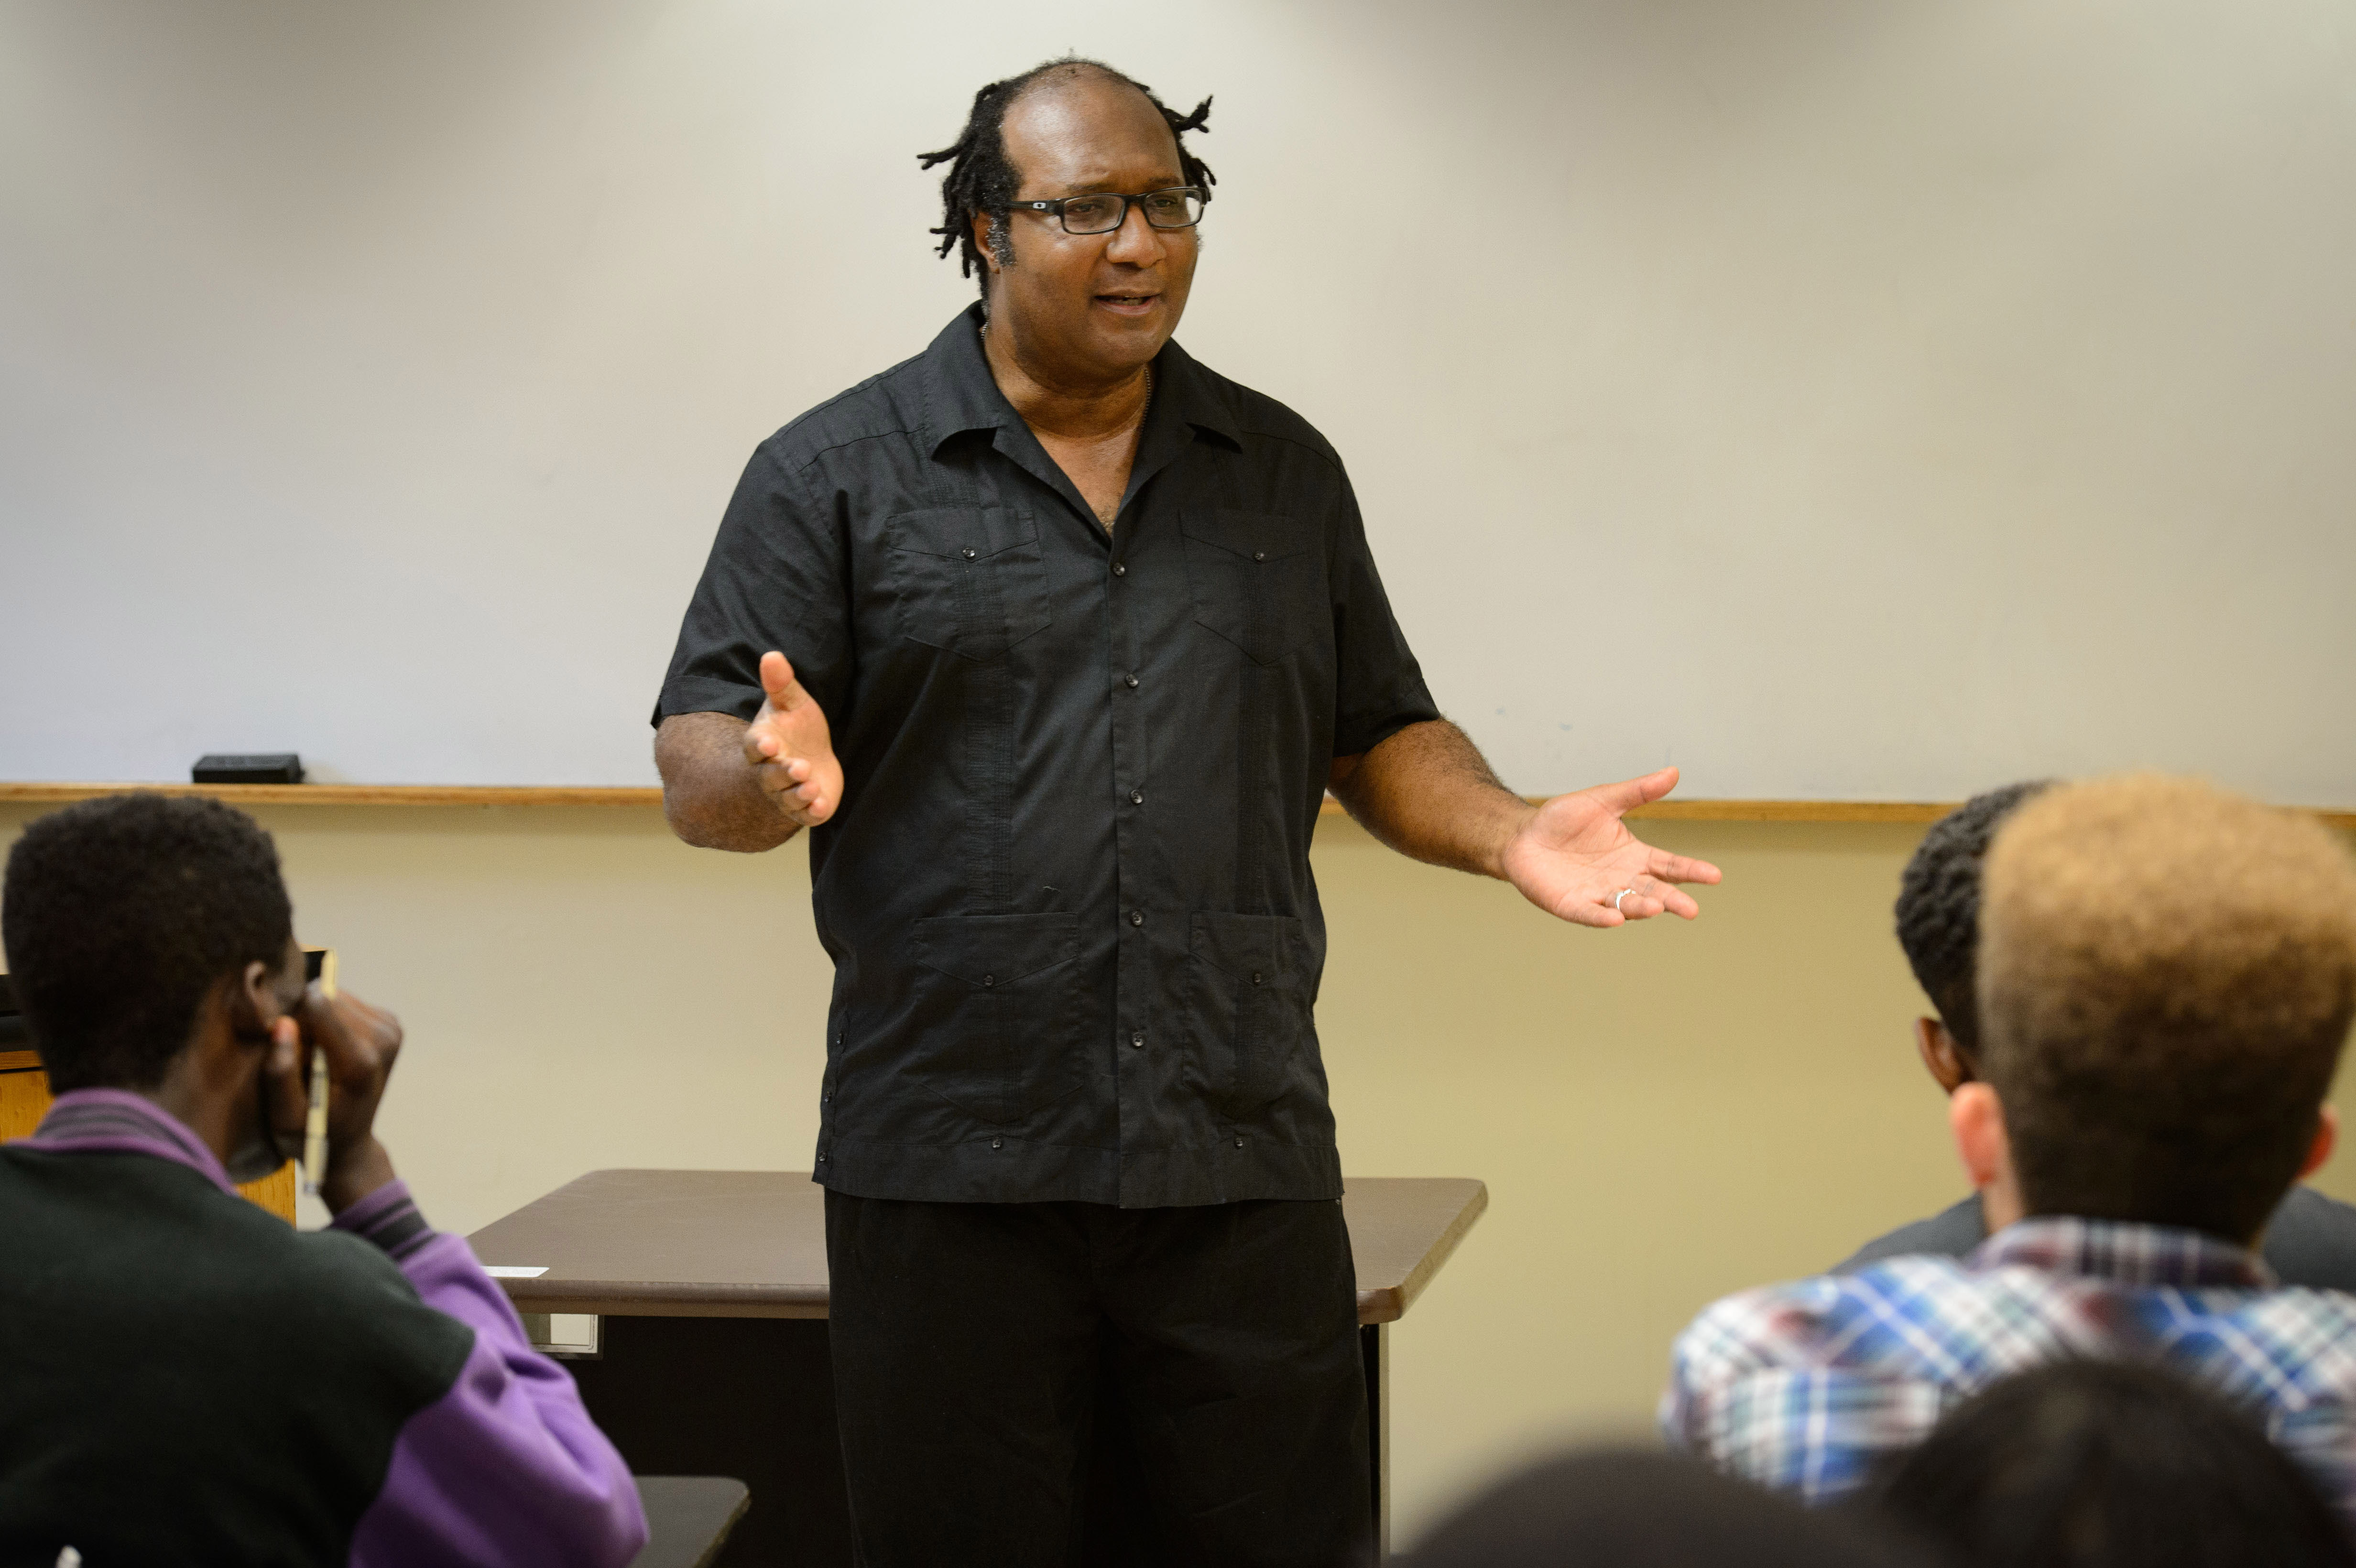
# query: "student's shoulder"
x,y
2288,1347
1816,1322
338,1291
2311,1240
1952,1232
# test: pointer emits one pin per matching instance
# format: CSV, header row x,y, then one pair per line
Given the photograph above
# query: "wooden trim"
x,y
1796,810
20,1061
1902,811
630,1298
353,795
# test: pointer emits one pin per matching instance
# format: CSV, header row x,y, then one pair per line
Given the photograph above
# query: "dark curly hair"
x,y
1939,905
982,179
119,914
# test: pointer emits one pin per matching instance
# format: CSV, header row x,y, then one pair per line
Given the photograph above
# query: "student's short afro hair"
x,y
119,914
1939,905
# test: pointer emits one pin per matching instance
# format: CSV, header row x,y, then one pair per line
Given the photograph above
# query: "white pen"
x,y
315,1126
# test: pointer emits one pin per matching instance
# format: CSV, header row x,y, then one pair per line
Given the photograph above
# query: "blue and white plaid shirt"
x,y
1804,1386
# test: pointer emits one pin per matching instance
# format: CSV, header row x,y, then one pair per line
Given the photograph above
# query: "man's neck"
x,y
1060,405
201,1089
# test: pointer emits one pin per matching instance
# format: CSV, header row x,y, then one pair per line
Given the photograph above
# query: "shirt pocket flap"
x,y
1258,948
962,533
996,949
1255,535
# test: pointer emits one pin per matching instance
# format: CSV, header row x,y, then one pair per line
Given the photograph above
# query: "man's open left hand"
x,y
1575,858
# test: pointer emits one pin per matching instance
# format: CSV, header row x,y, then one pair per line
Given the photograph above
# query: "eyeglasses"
x,y
1180,206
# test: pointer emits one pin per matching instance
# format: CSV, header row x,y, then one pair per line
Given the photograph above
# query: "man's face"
x,y
1096,305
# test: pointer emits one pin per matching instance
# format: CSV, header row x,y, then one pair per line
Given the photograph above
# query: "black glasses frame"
x,y
1201,197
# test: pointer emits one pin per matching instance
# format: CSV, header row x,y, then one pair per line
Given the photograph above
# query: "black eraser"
x,y
268,767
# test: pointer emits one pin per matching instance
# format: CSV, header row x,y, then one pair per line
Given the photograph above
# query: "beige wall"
x,y
1662,1114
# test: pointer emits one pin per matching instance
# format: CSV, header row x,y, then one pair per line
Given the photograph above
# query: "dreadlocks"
x,y
980,180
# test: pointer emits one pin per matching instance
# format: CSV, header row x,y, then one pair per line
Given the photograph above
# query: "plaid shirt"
x,y
1804,1386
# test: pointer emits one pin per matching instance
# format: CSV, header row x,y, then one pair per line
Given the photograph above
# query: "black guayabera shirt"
x,y
1068,894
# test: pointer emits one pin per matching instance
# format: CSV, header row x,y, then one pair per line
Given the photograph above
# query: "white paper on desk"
x,y
513,1271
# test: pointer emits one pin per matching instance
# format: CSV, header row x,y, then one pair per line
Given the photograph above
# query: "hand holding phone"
x,y
358,1044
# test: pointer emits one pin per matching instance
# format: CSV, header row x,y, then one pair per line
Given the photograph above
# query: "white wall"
x,y
1866,397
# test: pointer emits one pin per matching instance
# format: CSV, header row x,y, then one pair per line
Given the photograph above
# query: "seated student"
x,y
2105,1464
2166,978
187,1379
2310,1240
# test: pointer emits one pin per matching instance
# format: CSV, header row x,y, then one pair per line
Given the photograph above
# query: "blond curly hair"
x,y
2168,973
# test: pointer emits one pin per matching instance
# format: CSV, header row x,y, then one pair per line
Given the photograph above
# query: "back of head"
x,y
1938,909
119,914
2096,1465
2166,976
1637,1509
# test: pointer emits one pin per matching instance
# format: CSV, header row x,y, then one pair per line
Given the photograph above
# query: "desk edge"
x,y
1390,1306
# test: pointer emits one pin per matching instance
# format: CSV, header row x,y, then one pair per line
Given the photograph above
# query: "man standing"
x,y
1062,637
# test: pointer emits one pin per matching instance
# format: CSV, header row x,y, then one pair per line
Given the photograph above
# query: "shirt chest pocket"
x,y
1258,579
970,581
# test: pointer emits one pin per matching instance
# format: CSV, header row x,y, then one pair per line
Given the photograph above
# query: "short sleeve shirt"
x,y
1068,894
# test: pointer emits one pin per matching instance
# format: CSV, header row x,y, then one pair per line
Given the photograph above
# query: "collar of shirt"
x,y
961,397
115,1121
2123,1253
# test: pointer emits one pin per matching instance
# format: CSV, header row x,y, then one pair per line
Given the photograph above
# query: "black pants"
x,y
980,1349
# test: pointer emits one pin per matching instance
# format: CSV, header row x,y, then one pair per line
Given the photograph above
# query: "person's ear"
x,y
1942,1057
2327,1138
991,241
1976,1117
257,998
253,1002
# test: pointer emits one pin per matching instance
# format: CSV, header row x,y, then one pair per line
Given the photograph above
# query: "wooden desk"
x,y
710,1289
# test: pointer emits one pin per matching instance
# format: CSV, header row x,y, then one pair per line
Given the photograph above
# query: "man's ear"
x,y
2327,1138
1976,1118
1942,1057
253,1002
989,240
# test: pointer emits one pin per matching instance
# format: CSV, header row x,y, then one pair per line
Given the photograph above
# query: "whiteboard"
x,y
1841,399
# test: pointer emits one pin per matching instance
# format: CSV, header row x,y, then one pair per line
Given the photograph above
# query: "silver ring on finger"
x,y
1625,892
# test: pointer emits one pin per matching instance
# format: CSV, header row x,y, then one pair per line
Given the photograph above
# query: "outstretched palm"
x,y
1575,857
791,750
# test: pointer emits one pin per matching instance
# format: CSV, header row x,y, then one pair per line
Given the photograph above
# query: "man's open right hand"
x,y
791,749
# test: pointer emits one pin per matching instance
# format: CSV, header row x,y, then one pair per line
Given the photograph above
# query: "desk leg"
x,y
1374,1345
752,1398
